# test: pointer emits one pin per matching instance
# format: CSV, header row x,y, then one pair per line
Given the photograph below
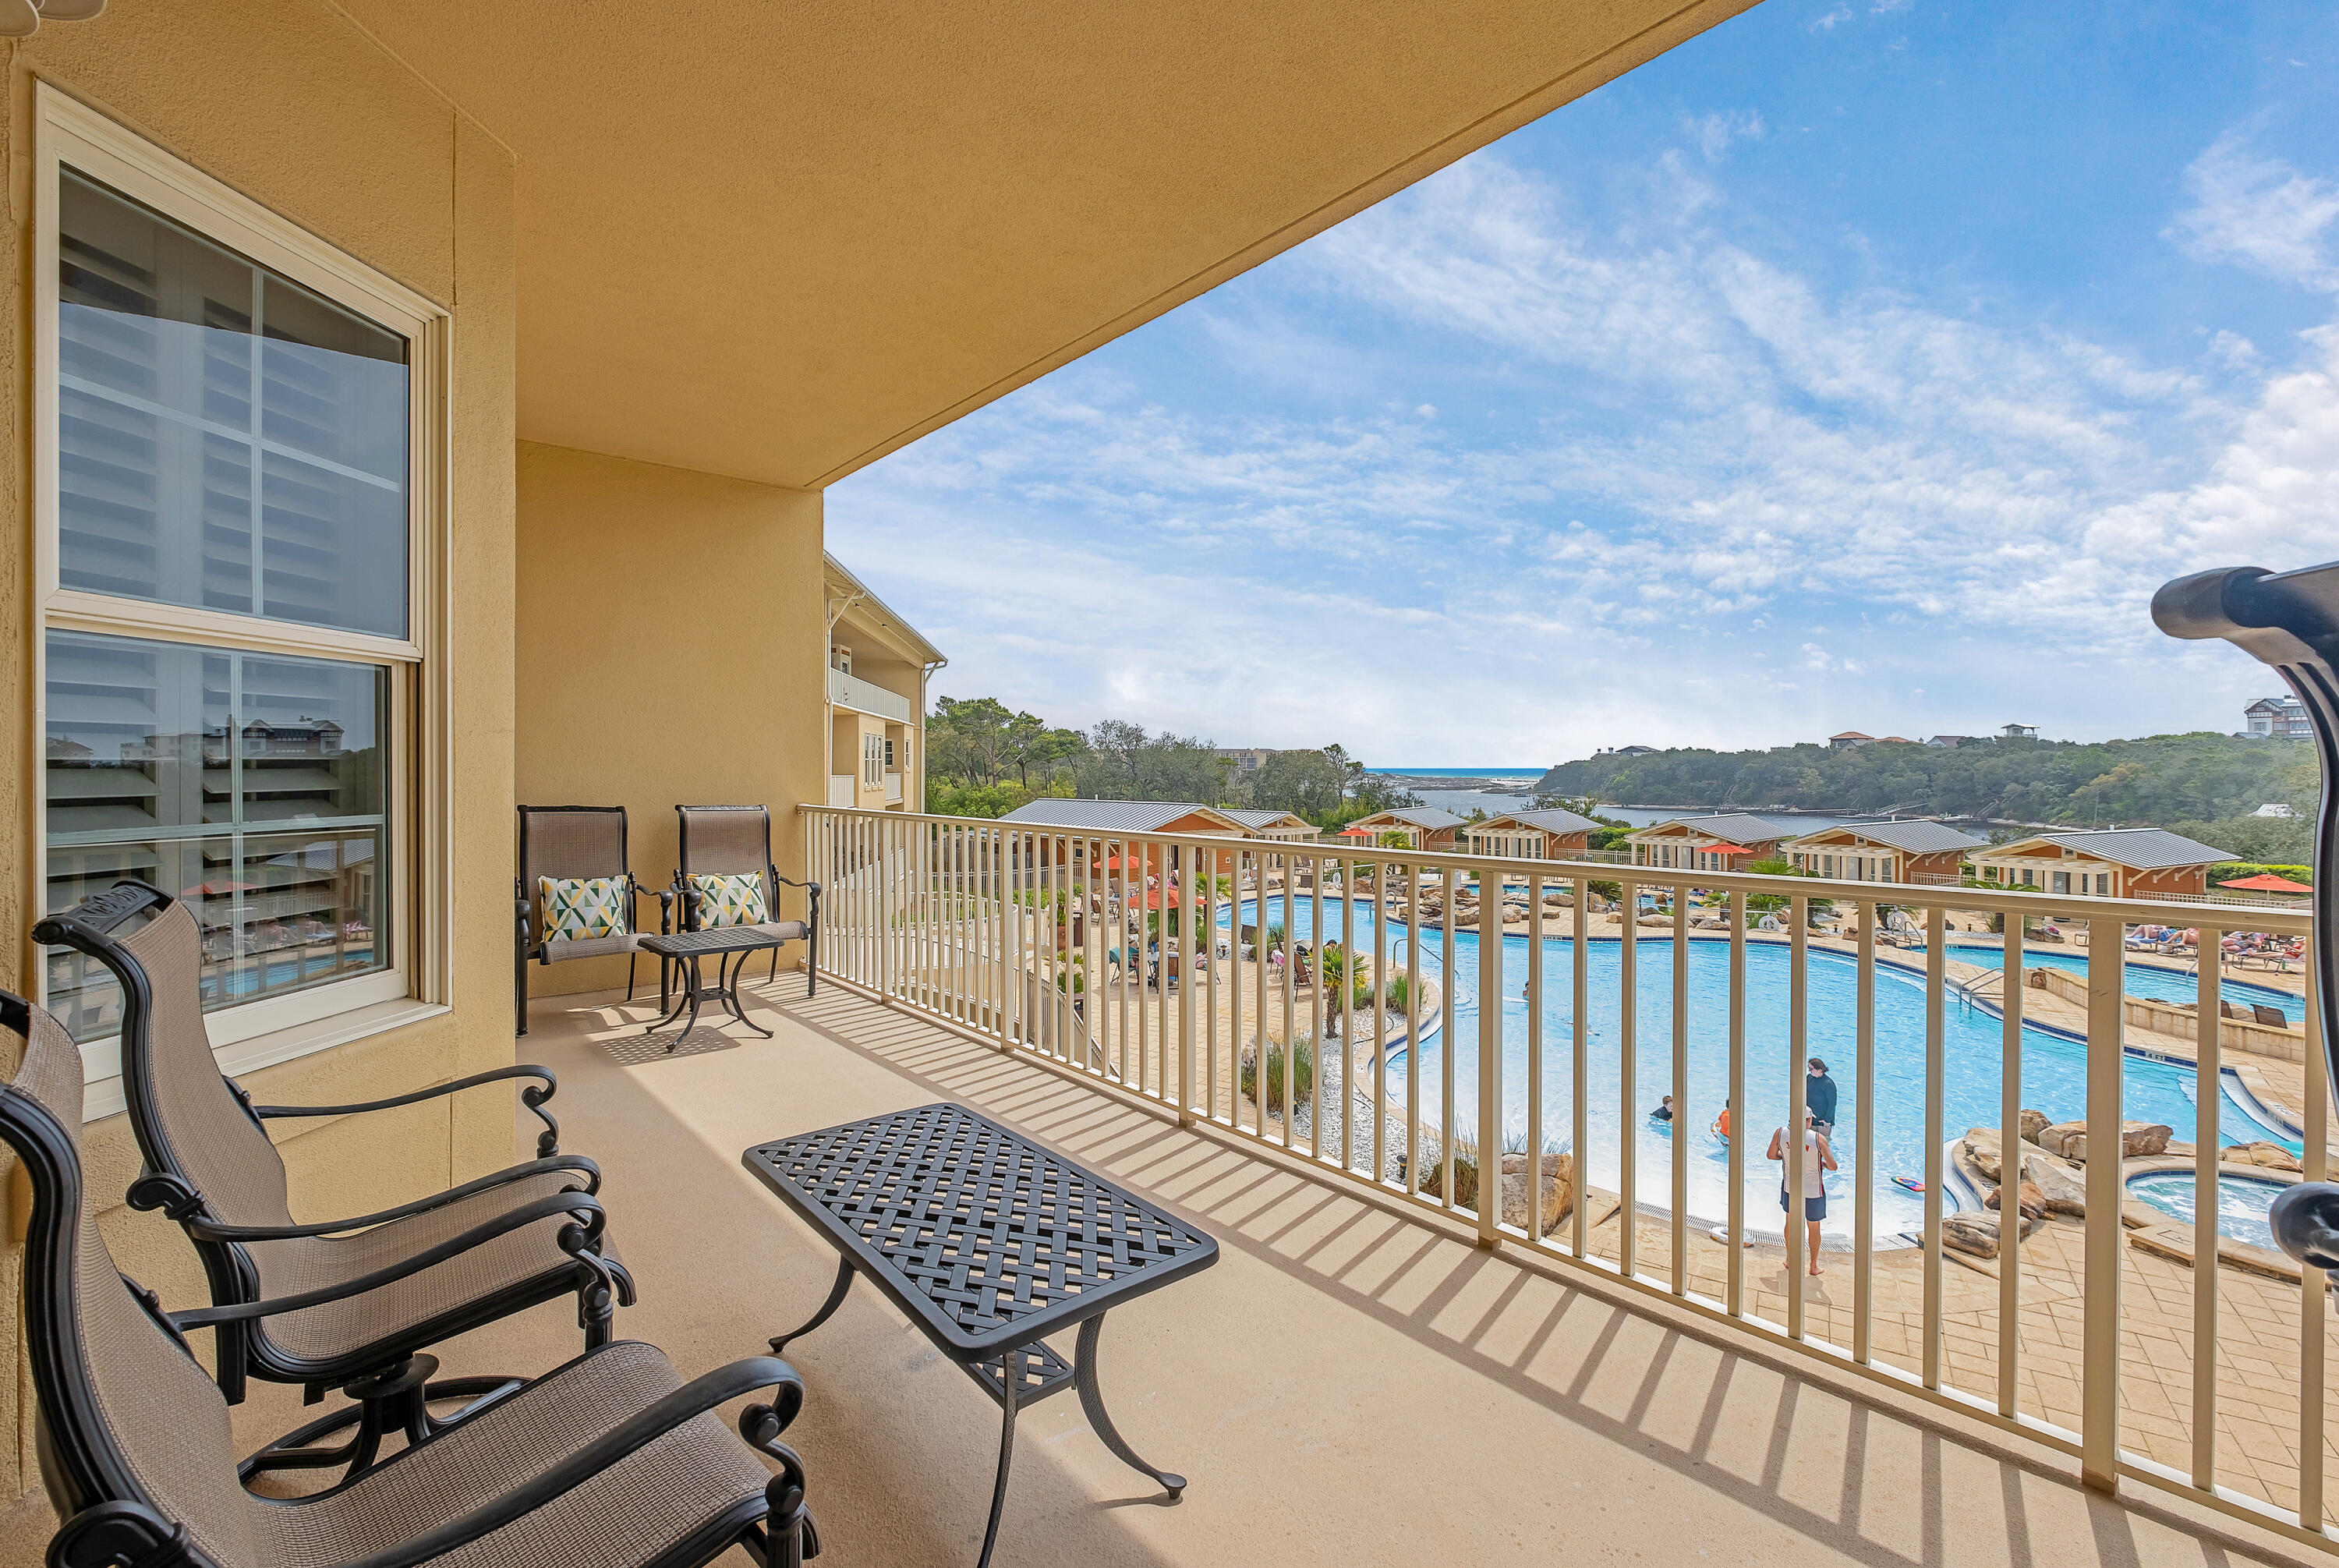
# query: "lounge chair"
x,y
2272,1017
611,1461
577,897
735,841
359,1298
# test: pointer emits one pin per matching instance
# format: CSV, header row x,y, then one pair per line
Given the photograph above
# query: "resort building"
x,y
1917,852
1287,825
1953,741
2111,863
1727,841
1113,816
1849,739
1424,827
878,666
1550,835
2277,718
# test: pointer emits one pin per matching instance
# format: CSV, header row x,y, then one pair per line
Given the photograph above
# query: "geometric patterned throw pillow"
x,y
729,900
576,909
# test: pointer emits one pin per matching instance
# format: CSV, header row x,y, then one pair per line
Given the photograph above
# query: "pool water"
x,y
2242,1202
2146,979
2054,1076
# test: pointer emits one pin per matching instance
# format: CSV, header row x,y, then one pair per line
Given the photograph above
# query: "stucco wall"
x,y
289,103
670,652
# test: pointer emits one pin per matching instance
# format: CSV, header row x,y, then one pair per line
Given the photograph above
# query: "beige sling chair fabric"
x,y
236,1169
734,841
163,1414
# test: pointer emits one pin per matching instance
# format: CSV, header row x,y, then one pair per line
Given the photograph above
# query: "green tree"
x,y
1311,783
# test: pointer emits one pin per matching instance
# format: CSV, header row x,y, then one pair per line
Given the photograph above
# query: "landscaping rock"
x,y
2137,1140
2268,1156
1986,1150
2034,1122
2065,1191
2026,1198
1975,1235
1558,1189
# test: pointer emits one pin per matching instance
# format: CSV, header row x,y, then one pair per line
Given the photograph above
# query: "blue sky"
x,y
1860,364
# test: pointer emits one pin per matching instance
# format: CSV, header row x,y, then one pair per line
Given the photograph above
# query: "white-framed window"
x,y
240,482
873,759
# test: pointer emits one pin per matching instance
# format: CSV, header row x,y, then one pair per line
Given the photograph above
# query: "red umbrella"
x,y
1153,896
2266,882
1360,832
1726,849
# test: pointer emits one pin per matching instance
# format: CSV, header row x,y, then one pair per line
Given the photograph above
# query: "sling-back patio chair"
x,y
576,896
727,878
610,1460
362,1298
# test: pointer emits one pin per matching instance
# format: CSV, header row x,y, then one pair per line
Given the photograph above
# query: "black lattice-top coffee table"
x,y
987,1242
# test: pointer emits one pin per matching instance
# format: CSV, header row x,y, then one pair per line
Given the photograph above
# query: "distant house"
x,y
2275,809
1920,852
1246,759
1624,751
2115,863
1849,739
1276,824
1895,740
1953,741
2018,731
1091,826
1553,834
1425,826
2278,718
1724,841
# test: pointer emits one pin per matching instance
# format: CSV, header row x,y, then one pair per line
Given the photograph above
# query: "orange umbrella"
x,y
2266,882
1726,849
1153,896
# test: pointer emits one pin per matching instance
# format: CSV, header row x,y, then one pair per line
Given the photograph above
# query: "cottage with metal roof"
x,y
2111,863
1723,841
1915,851
1119,816
1553,834
1424,827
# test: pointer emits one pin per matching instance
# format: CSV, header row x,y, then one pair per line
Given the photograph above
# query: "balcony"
x,y
1357,1380
866,697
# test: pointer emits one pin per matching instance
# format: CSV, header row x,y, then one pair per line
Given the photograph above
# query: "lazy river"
x,y
2053,1066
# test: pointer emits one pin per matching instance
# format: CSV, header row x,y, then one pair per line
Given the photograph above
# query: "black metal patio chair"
x,y
583,847
611,1461
736,842
359,1299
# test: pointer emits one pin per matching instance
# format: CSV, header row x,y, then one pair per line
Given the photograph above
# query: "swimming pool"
x,y
2054,1069
2148,980
2242,1202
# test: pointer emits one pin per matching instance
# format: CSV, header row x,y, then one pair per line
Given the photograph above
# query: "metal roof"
x,y
1915,837
2138,848
1262,818
1423,816
1735,826
1553,819
1114,815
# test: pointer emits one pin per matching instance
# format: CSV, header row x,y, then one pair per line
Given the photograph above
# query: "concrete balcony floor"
x,y
1349,1385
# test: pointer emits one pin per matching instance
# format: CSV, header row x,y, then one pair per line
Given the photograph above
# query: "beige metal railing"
x,y
1166,967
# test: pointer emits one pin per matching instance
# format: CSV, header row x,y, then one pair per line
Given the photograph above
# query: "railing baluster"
x,y
2100,1326
2208,1094
1580,1106
1290,998
1490,1061
2312,1294
1412,1028
1628,1088
1863,1195
1790,1144
1937,953
2011,1162
1447,1133
1735,1104
1343,1009
1679,1140
1380,1019
1535,1055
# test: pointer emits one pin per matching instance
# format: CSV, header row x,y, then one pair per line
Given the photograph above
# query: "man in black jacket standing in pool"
x,y
1819,1097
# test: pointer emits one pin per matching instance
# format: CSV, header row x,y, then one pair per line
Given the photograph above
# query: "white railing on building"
x,y
1046,942
852,692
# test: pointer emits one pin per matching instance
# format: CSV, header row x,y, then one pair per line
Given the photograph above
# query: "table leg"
x,y
672,1012
1006,1452
693,1023
827,1308
731,997
1084,1378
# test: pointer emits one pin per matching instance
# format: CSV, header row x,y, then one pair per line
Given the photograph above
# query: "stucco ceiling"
x,y
778,240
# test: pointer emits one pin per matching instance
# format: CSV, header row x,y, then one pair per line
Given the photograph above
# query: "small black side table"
x,y
730,947
986,1241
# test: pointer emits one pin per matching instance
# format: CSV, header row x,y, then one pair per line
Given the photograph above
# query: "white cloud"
x,y
1827,24
1718,447
2259,213
1713,134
